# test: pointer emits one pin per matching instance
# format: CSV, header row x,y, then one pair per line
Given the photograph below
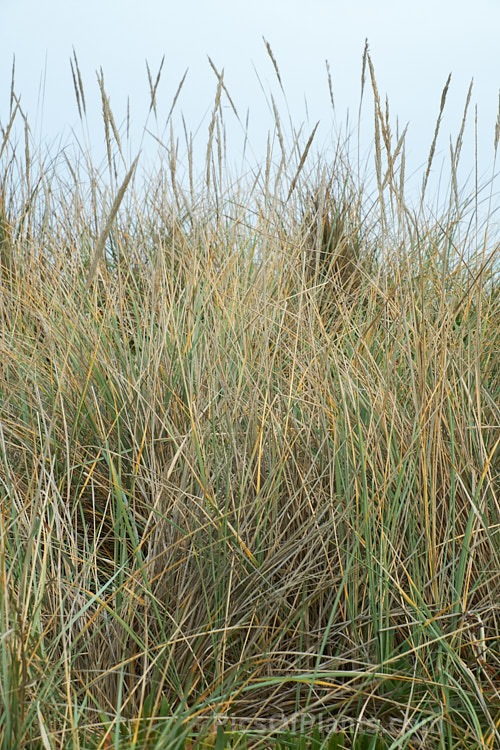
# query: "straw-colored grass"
x,y
249,455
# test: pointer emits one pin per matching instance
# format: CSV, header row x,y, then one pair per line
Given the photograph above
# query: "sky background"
x,y
414,46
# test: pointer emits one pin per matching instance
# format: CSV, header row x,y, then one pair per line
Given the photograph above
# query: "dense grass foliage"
x,y
249,455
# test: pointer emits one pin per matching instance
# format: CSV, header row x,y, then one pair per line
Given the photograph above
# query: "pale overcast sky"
x,y
414,46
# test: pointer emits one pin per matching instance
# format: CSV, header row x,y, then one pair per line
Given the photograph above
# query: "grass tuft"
x,y
249,451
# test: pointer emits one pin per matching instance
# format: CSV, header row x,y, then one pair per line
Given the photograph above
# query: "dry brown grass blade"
x,y
278,129
6,132
330,85
12,84
174,101
101,242
154,86
109,122
459,141
106,118
77,92
402,174
434,140
220,77
302,162
7,268
78,85
363,72
27,155
379,126
275,64
497,127
211,128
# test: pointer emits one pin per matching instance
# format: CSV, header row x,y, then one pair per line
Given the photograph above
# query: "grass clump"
x,y
249,456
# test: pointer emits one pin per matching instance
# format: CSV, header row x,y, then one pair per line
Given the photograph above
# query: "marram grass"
x,y
249,456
